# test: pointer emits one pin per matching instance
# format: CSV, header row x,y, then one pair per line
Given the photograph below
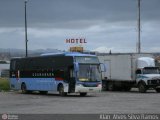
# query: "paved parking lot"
x,y
104,102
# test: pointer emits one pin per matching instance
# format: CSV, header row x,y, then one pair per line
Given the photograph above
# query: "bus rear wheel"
x,y
23,88
61,91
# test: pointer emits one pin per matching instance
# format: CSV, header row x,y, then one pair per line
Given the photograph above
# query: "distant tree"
x,y
3,62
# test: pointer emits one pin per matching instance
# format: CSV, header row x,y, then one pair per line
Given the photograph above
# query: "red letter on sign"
x,y
72,40
81,40
77,41
67,40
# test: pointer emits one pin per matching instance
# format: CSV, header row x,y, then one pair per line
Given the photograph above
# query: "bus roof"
x,y
72,54
67,54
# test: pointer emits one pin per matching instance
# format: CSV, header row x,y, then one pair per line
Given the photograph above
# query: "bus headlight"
x,y
79,85
99,85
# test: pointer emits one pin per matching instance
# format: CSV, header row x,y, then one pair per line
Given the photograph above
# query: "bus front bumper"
x,y
82,89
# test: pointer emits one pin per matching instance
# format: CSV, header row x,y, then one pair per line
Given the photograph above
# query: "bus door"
x,y
71,80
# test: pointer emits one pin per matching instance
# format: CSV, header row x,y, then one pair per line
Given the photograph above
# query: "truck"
x,y
124,71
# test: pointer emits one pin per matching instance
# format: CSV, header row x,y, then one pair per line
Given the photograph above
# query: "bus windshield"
x,y
89,73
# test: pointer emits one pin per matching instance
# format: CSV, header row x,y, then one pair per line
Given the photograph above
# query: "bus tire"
x,y
61,90
83,94
142,87
23,88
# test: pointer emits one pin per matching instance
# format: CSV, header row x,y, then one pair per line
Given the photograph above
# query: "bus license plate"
x,y
90,89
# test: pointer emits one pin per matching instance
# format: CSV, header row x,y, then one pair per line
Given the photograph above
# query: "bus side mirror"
x,y
76,66
102,67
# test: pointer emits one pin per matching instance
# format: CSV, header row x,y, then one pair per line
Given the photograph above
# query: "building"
x,y
4,68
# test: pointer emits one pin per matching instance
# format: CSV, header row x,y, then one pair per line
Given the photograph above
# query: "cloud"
x,y
50,13
108,23
102,49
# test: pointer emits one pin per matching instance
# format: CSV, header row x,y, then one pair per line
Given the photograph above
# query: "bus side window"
x,y
59,74
32,64
13,65
17,65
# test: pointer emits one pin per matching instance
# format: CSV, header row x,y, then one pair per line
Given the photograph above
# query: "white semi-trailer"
x,y
124,71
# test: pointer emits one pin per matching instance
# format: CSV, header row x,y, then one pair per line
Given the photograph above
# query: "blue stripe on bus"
x,y
44,84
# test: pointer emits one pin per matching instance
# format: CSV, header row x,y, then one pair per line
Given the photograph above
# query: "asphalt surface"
x,y
104,102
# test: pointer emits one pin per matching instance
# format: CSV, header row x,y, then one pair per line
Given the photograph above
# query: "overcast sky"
x,y
103,23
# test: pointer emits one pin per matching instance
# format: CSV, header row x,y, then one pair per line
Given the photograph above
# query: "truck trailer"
x,y
124,71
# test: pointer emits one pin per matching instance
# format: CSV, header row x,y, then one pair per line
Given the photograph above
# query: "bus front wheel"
x,y
61,90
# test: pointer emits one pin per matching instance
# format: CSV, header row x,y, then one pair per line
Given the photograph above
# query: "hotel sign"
x,y
77,40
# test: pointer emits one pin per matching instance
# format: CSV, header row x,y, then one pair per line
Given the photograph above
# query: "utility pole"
x,y
26,40
139,27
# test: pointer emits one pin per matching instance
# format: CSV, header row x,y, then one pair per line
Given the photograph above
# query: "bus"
x,y
64,73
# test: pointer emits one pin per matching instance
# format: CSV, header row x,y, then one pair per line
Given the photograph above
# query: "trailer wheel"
x,y
104,85
83,94
61,90
157,90
142,87
110,86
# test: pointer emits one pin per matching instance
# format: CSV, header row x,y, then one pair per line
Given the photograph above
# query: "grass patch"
x,y
4,84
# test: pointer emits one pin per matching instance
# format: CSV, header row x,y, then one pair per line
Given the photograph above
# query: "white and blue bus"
x,y
63,73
